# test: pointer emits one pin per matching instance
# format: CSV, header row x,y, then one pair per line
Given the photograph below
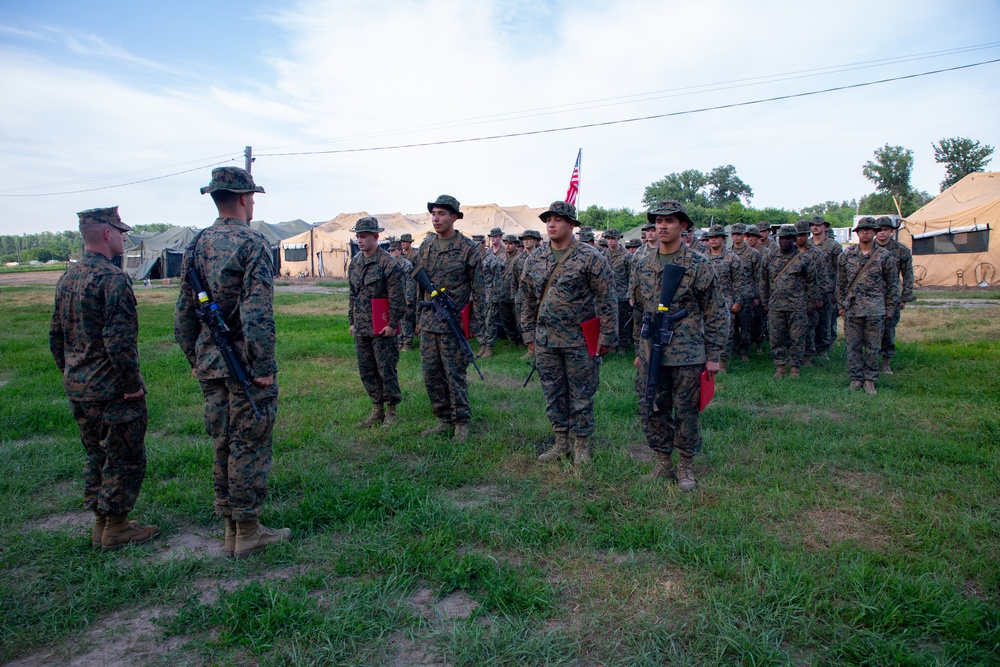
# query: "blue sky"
x,y
103,93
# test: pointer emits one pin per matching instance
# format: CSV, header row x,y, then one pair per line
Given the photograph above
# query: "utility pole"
x,y
247,158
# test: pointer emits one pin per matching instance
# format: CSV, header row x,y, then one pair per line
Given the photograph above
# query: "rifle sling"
x,y
555,270
850,290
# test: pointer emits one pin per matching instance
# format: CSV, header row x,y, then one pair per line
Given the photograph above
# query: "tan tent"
x,y
953,238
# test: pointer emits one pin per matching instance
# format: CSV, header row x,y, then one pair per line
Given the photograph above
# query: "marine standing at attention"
x,y
904,263
92,338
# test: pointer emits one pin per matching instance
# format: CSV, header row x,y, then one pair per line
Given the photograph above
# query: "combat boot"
x,y
441,427
870,388
229,541
664,467
560,448
251,537
120,532
685,473
390,415
886,368
794,373
779,371
581,449
99,522
855,385
376,417
485,352
406,347
461,434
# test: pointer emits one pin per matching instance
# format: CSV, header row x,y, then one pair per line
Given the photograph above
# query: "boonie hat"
x,y
395,245
587,236
510,238
751,231
406,237
233,179
632,243
478,238
531,234
715,230
787,230
801,227
496,231
649,224
738,228
560,208
448,202
819,220
103,216
867,222
612,234
886,221
669,207
366,224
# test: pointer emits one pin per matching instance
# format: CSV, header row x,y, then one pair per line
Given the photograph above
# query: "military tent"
x,y
157,255
276,232
952,237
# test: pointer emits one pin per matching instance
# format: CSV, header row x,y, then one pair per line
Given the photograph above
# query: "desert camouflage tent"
x,y
954,238
157,256
276,232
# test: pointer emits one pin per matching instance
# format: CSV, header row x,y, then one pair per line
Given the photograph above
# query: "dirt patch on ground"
x,y
796,413
189,542
31,277
640,451
473,497
126,637
825,527
211,589
413,653
75,520
457,604
871,484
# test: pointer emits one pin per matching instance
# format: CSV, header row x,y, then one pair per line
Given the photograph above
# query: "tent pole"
x,y
312,257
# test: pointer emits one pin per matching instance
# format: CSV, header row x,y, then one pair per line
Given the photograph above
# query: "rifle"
x,y
534,367
445,311
211,315
659,329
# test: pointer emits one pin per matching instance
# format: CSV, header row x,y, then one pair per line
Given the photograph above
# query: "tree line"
x,y
60,246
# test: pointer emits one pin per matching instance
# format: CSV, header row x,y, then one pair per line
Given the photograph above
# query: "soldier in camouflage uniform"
x,y
824,283
453,262
633,246
530,240
766,243
565,283
409,289
374,274
92,338
508,313
699,338
788,287
409,321
621,267
486,318
496,243
587,236
904,262
234,264
867,291
825,317
742,323
732,281
758,325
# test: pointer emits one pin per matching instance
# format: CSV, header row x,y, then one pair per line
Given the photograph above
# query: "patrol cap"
x,y
751,231
406,237
670,207
496,231
867,222
819,220
366,224
561,208
886,221
715,230
510,238
102,216
632,243
738,228
586,236
612,234
233,179
801,227
531,234
448,202
478,238
786,231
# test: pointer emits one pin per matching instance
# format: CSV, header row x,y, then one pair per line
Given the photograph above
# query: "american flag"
x,y
574,181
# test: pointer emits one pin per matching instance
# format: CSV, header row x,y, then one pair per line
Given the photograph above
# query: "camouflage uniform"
x,y
491,276
904,263
732,282
698,338
379,276
92,337
786,294
409,321
508,284
454,264
866,306
518,272
620,261
234,264
743,322
582,289
825,329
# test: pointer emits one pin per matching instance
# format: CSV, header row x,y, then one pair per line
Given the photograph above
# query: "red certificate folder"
x,y
707,390
592,334
466,319
380,315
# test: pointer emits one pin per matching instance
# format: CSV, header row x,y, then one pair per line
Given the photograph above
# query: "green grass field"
x,y
829,527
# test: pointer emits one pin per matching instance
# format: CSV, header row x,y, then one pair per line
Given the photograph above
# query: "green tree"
x,y
152,227
726,188
890,171
686,186
605,218
961,157
880,203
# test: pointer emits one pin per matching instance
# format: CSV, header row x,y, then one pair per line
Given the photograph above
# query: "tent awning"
x,y
953,230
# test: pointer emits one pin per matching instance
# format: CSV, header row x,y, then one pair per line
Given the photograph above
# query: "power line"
x,y
634,120
121,185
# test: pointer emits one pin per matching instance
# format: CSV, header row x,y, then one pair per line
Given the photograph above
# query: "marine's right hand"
x,y
264,382
134,396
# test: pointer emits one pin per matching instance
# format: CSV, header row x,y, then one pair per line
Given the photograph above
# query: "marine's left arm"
x,y
121,332
257,310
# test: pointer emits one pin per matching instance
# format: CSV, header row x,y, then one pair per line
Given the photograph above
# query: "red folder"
x,y
707,390
466,319
380,315
592,334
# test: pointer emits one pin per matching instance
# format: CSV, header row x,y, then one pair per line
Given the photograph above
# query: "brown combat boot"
x,y
886,368
485,352
870,388
779,371
794,373
99,522
251,537
441,427
581,449
855,385
461,434
229,540
560,448
664,467
685,473
390,415
376,417
120,532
